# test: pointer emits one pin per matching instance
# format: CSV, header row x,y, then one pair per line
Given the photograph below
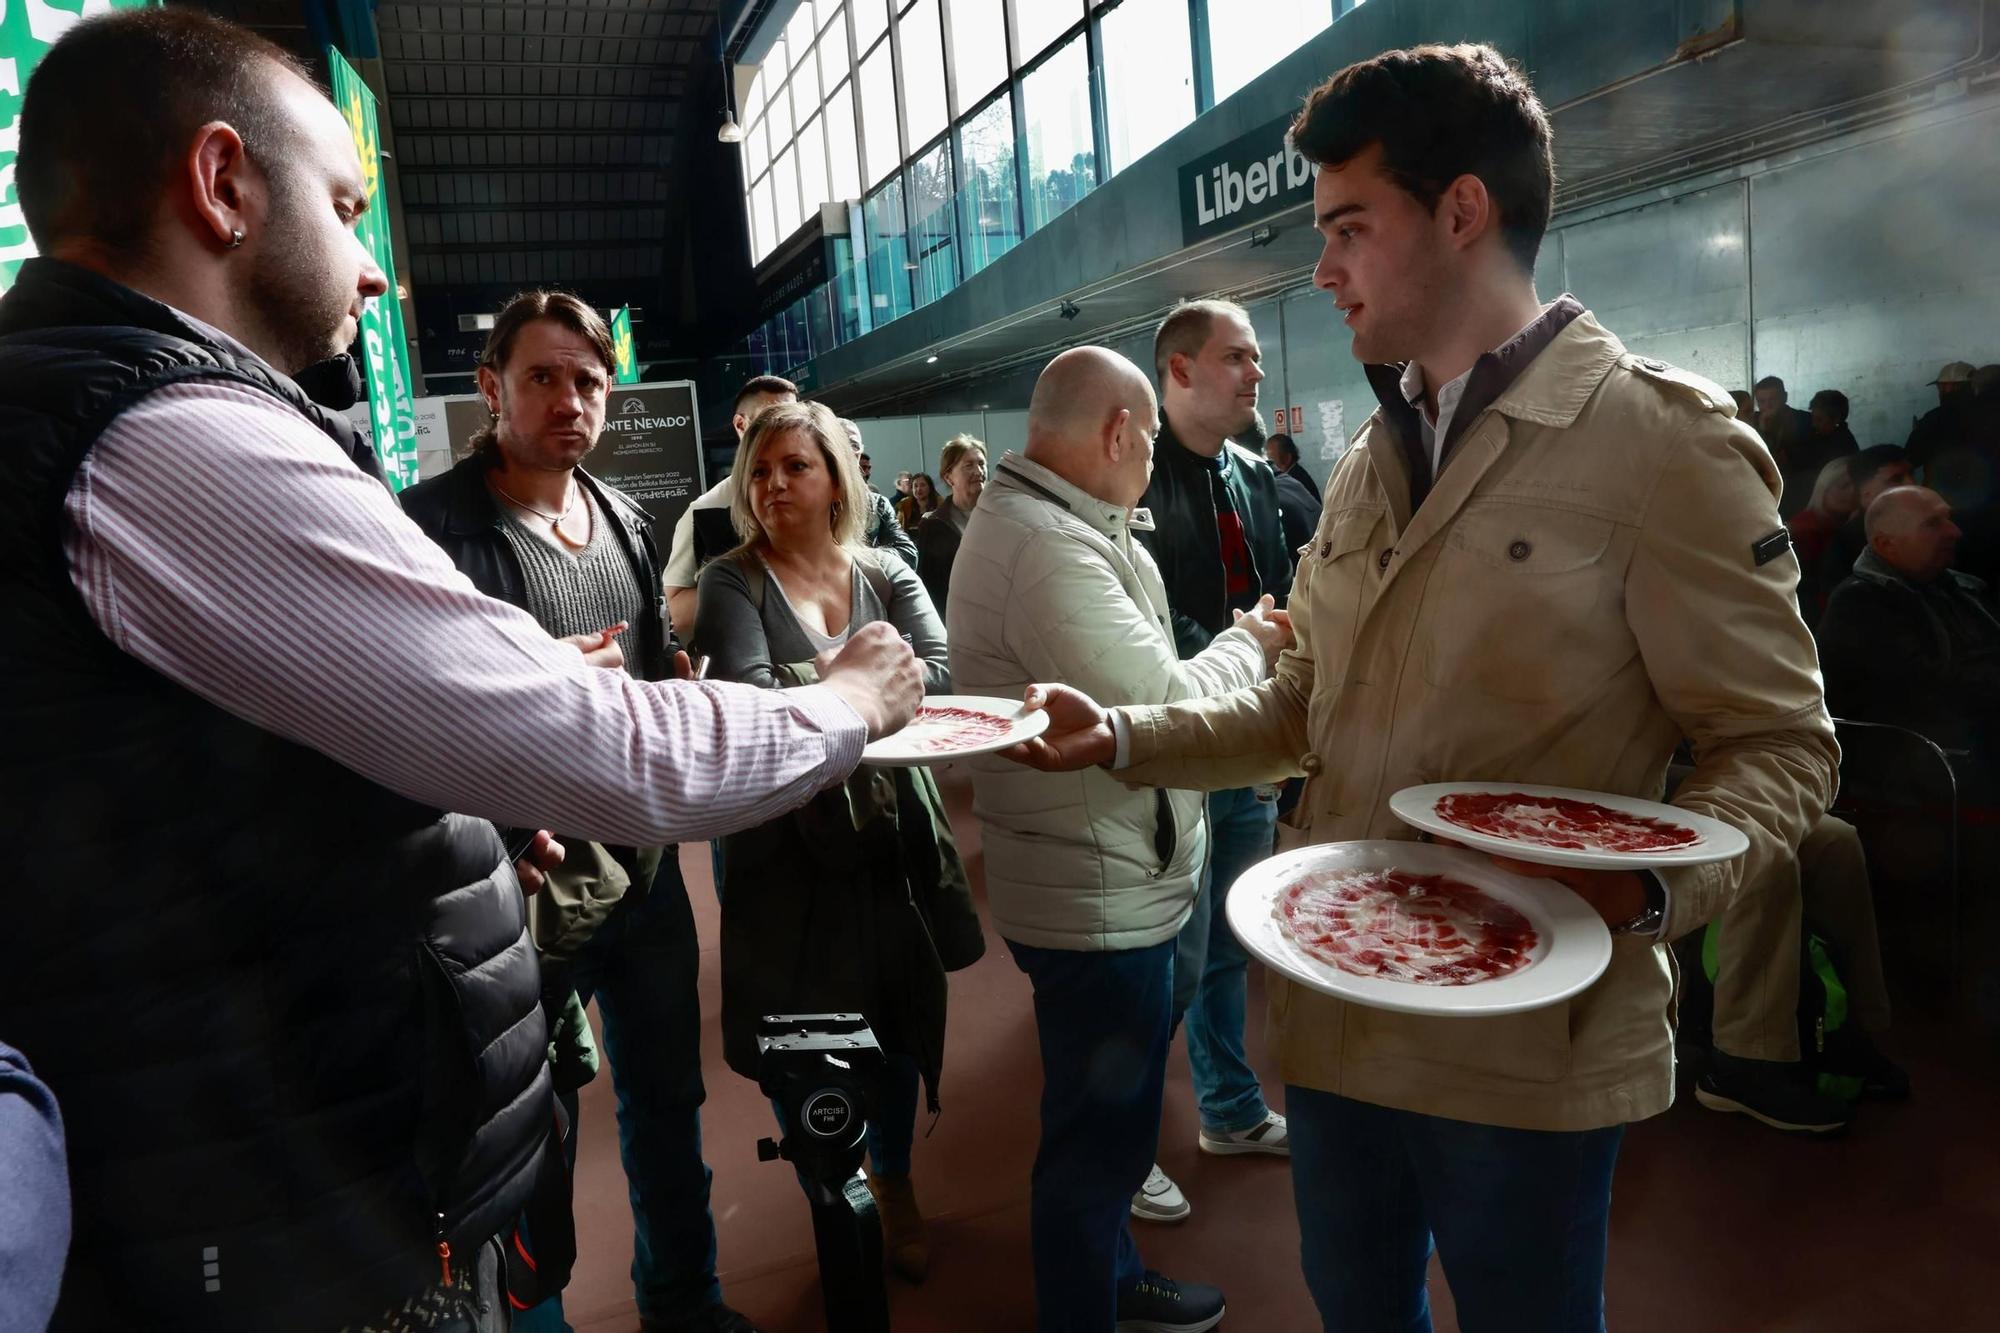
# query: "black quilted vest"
x,y
291,1018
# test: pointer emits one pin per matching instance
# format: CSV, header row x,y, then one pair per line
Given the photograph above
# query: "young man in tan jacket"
x,y
1544,560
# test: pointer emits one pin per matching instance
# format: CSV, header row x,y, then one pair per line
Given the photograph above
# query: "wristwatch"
x,y
1649,921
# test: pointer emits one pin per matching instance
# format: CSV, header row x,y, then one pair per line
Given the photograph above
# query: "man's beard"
x,y
298,295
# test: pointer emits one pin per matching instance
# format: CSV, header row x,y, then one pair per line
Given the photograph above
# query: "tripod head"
x,y
820,1069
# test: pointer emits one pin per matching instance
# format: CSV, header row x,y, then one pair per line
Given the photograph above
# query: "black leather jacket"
x,y
1185,544
458,512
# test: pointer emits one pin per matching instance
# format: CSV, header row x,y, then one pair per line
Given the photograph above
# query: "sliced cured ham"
x,y
1429,930
1557,821
941,730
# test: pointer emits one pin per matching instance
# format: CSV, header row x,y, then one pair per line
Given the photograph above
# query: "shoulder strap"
x,y
754,579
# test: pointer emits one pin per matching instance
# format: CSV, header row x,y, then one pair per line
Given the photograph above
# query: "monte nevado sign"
x,y
1244,181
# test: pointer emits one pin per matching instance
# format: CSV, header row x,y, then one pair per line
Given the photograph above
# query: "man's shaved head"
x,y
1092,420
1910,528
1082,388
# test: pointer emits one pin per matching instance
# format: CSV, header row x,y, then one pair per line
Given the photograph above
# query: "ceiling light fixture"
x,y
931,360
730,132
1263,236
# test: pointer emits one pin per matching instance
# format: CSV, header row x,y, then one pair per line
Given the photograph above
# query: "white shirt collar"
x,y
1438,427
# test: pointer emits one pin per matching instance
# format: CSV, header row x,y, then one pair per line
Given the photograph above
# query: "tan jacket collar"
x,y
1553,388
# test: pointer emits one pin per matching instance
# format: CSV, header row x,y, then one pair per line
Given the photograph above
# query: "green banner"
x,y
627,369
385,359
28,28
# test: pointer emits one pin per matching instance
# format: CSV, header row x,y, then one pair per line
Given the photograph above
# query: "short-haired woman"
x,y
856,902
962,465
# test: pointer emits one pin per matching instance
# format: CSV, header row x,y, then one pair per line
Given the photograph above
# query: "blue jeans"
x,y
1518,1217
1211,971
1104,1021
642,966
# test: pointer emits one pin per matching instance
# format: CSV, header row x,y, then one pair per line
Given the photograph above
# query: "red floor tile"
x,y
1718,1224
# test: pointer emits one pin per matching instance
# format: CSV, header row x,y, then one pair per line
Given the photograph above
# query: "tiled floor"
x,y
1718,1226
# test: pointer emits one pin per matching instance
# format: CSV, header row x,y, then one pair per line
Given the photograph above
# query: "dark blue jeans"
x,y
1518,1217
642,966
1104,1021
1211,970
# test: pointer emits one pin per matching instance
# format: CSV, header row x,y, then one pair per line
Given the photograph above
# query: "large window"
x,y
989,200
1039,22
923,72
931,227
1258,35
851,88
778,116
785,192
881,151
871,20
812,166
1148,77
1062,158
841,148
978,48
834,61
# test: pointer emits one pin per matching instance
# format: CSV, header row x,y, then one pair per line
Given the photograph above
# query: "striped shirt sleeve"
x,y
227,544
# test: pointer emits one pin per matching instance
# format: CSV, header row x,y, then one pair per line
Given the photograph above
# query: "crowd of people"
x,y
346,804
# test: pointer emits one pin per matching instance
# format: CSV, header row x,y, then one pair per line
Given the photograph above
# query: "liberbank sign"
x,y
1244,181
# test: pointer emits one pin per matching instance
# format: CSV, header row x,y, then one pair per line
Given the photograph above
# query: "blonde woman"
x,y
858,902
962,466
1834,500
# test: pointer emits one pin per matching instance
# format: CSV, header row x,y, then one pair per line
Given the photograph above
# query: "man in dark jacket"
x,y
1219,540
529,526
294,1024
882,528
1787,431
1909,640
1282,452
1876,469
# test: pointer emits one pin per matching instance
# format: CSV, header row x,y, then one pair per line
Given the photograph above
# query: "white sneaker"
x,y
1160,1200
1266,1136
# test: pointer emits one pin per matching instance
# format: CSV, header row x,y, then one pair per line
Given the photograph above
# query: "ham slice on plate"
x,y
1428,930
1557,821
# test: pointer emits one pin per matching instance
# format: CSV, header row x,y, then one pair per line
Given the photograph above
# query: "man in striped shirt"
x,y
213,610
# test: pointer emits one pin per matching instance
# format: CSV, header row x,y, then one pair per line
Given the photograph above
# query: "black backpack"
x,y
1823,1016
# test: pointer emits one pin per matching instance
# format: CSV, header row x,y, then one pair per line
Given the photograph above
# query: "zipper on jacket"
x,y
444,1252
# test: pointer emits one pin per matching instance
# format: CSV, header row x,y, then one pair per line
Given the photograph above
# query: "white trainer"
x,y
1160,1200
1266,1136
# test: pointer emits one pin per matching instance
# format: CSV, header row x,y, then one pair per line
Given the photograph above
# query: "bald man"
x,y
1088,880
1908,639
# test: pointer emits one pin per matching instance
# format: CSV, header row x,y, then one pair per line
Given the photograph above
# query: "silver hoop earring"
x,y
235,237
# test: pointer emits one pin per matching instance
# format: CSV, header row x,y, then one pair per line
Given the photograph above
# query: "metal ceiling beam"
x,y
504,209
641,245
389,7
407,133
425,62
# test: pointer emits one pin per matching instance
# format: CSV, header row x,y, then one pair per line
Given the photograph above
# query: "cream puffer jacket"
x,y
1049,585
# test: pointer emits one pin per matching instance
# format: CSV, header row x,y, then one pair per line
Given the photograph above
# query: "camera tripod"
x,y
819,1068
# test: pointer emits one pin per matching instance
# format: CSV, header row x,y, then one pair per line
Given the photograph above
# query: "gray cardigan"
x,y
749,644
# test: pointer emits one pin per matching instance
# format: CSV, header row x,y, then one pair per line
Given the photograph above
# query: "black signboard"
x,y
651,450
803,272
1243,181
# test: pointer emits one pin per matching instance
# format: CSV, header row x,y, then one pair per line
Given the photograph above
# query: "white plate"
x,y
1571,951
1416,806
908,747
